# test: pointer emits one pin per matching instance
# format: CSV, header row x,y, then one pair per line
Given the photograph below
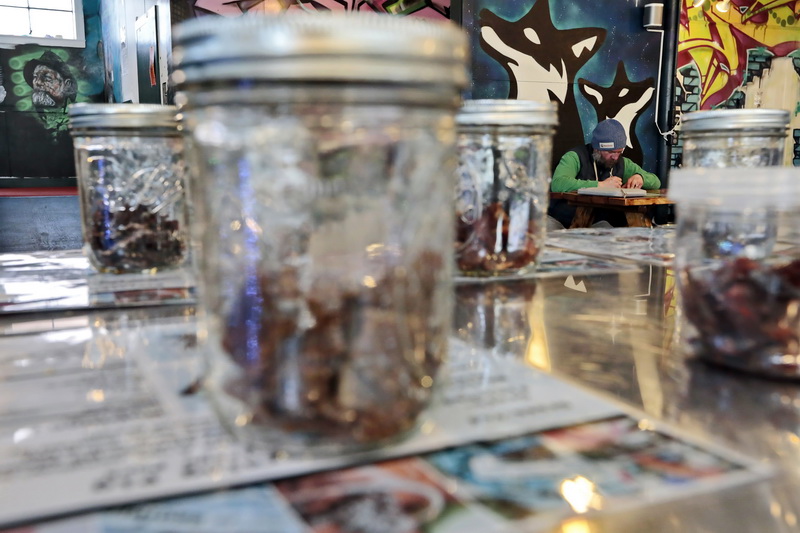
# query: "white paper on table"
x,y
103,422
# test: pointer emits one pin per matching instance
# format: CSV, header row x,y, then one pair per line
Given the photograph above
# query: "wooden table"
x,y
637,209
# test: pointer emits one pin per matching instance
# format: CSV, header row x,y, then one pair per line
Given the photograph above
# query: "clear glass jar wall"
x,y
738,272
733,149
131,187
723,138
327,234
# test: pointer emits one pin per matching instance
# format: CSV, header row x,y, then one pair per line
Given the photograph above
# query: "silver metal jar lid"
x,y
86,115
722,119
507,113
321,47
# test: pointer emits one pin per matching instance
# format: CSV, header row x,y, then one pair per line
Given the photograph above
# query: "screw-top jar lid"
x,y
507,113
721,119
736,188
86,115
324,47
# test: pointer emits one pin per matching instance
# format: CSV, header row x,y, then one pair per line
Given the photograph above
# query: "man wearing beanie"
x,y
598,164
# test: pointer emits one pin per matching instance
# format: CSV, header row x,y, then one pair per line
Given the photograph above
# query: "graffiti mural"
x,y
39,84
541,61
717,43
436,9
45,85
740,54
623,101
593,59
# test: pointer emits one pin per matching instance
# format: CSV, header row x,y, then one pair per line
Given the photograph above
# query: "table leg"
x,y
584,216
636,219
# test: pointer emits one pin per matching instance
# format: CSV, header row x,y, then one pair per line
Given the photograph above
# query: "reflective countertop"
x,y
614,335
610,331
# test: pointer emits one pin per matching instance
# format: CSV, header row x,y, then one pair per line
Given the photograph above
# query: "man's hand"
x,y
634,182
611,182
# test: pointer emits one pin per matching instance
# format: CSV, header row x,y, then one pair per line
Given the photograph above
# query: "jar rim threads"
x,y
308,47
487,112
714,120
96,115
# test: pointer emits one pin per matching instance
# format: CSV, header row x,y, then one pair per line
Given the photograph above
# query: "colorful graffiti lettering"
x,y
436,9
716,40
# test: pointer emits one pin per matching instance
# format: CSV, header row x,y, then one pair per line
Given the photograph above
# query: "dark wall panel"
x,y
40,223
36,151
5,169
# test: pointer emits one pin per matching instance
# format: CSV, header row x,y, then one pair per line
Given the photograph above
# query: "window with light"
x,y
44,22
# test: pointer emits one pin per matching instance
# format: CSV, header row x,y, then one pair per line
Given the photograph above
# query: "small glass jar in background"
x,y
503,183
734,137
131,175
739,283
323,144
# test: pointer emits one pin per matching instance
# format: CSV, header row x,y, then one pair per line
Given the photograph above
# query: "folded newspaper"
x,y
603,191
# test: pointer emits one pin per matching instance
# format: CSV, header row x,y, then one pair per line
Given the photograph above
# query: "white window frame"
x,y
78,42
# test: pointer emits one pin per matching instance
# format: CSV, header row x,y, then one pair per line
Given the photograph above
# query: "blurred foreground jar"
x,y
734,137
503,182
737,261
130,165
325,144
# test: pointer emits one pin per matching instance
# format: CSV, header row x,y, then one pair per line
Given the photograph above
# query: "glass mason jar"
x,y
726,138
323,143
503,183
734,137
131,173
737,262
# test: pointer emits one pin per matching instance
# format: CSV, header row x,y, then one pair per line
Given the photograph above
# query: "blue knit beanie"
x,y
609,135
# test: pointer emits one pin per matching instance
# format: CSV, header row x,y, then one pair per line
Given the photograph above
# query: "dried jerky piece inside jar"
x,y
353,365
133,239
746,314
495,244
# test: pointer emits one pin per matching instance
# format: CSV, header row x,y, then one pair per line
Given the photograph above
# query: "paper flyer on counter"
x,y
555,263
654,246
114,426
528,483
117,426
63,280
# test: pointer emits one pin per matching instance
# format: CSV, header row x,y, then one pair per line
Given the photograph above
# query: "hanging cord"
x,y
665,134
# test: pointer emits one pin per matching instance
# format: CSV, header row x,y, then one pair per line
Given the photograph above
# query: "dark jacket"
x,y
564,213
587,165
